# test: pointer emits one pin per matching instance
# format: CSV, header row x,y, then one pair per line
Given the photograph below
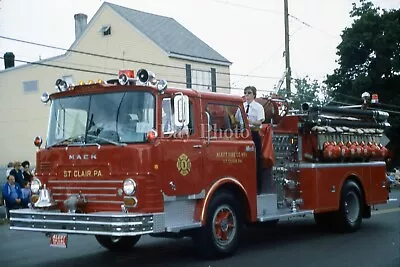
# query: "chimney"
x,y
80,24
9,60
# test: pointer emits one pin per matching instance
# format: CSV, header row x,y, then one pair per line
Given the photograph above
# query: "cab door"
x,y
182,152
230,152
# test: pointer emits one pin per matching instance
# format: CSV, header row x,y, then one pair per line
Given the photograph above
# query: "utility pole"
x,y
287,52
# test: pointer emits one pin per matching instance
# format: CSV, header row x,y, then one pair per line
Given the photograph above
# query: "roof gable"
x,y
168,34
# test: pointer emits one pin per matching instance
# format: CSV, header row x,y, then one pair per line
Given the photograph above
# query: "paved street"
x,y
292,243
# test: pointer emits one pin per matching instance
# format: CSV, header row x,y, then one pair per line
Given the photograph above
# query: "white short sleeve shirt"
x,y
255,113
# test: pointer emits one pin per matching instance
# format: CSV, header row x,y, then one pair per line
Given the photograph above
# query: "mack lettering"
x,y
82,157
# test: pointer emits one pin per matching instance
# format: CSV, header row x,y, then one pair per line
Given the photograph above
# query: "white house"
x,y
115,38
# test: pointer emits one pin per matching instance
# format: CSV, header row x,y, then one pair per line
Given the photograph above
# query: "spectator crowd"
x,y
16,192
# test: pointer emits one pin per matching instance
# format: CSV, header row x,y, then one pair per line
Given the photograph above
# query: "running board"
x,y
283,214
267,209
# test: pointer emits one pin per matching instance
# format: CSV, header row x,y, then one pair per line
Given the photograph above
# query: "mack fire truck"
x,y
131,156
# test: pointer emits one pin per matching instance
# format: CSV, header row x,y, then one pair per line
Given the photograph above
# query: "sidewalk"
x,y
2,212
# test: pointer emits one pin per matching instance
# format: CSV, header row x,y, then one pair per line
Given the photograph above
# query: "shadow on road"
x,y
181,252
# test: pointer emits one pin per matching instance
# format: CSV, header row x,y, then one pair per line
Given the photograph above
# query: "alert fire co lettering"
x,y
231,157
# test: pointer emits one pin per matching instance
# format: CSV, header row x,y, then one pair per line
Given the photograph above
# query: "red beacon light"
x,y
125,76
375,99
151,135
38,141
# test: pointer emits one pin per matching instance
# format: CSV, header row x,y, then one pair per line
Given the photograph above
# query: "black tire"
x,y
349,216
116,244
220,236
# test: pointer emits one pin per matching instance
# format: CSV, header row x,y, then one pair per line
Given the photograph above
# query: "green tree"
x,y
307,90
369,60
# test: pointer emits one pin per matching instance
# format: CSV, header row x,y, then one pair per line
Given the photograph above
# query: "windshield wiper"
x,y
106,140
69,140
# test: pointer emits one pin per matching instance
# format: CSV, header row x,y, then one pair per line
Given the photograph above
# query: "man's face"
x,y
249,95
17,165
11,180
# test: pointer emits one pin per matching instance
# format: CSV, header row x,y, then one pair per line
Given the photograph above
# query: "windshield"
x,y
112,118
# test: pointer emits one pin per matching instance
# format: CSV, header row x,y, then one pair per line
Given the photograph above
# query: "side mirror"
x,y
181,110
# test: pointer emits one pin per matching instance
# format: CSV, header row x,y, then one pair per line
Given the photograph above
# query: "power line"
x,y
274,53
90,66
249,7
123,59
271,55
104,73
278,13
61,67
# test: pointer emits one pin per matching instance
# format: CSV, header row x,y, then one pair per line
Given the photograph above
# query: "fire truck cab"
x,y
131,157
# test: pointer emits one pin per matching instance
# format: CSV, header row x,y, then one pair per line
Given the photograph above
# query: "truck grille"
x,y
95,191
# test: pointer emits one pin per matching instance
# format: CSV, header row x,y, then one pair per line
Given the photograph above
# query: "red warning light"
x,y
128,73
374,98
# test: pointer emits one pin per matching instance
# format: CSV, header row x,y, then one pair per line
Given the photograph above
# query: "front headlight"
x,y
35,185
129,186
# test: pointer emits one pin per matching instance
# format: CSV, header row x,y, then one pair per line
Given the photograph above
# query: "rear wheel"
x,y
349,216
219,237
120,243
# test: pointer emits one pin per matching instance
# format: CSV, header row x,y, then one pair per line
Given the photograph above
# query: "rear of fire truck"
x,y
95,175
345,149
328,160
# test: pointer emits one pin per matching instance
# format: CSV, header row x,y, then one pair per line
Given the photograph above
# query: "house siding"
x,y
23,116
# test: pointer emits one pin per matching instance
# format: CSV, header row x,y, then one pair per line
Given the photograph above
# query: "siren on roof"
x,y
126,76
146,76
61,85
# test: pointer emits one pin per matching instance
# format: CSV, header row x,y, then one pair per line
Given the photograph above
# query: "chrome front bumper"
x,y
99,223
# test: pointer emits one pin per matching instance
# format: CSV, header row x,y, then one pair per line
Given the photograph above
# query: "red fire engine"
x,y
131,157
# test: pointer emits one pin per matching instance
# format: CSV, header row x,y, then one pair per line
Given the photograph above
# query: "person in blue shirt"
x,y
12,194
26,194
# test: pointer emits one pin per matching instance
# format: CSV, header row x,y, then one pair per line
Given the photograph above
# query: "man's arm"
x,y
7,195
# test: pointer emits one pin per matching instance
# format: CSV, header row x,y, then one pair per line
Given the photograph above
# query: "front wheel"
x,y
120,243
349,216
219,237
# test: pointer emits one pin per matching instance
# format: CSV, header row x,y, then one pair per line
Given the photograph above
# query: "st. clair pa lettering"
x,y
82,173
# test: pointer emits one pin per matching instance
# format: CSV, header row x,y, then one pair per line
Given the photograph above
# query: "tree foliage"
x,y
369,60
308,90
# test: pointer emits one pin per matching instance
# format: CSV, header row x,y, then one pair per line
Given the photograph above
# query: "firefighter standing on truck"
x,y
256,116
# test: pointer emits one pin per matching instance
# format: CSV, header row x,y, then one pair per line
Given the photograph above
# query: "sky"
x,y
248,33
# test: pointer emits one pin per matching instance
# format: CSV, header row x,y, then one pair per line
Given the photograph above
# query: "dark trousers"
x,y
257,143
12,207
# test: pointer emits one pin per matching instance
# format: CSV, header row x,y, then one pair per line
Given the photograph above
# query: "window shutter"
x,y
213,80
188,76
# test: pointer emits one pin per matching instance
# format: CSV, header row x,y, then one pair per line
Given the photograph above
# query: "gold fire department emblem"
x,y
183,164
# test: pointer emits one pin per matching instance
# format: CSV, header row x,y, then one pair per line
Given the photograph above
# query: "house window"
x,y
105,30
201,80
30,86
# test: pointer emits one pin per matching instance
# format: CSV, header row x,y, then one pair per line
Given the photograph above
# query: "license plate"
x,y
59,240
